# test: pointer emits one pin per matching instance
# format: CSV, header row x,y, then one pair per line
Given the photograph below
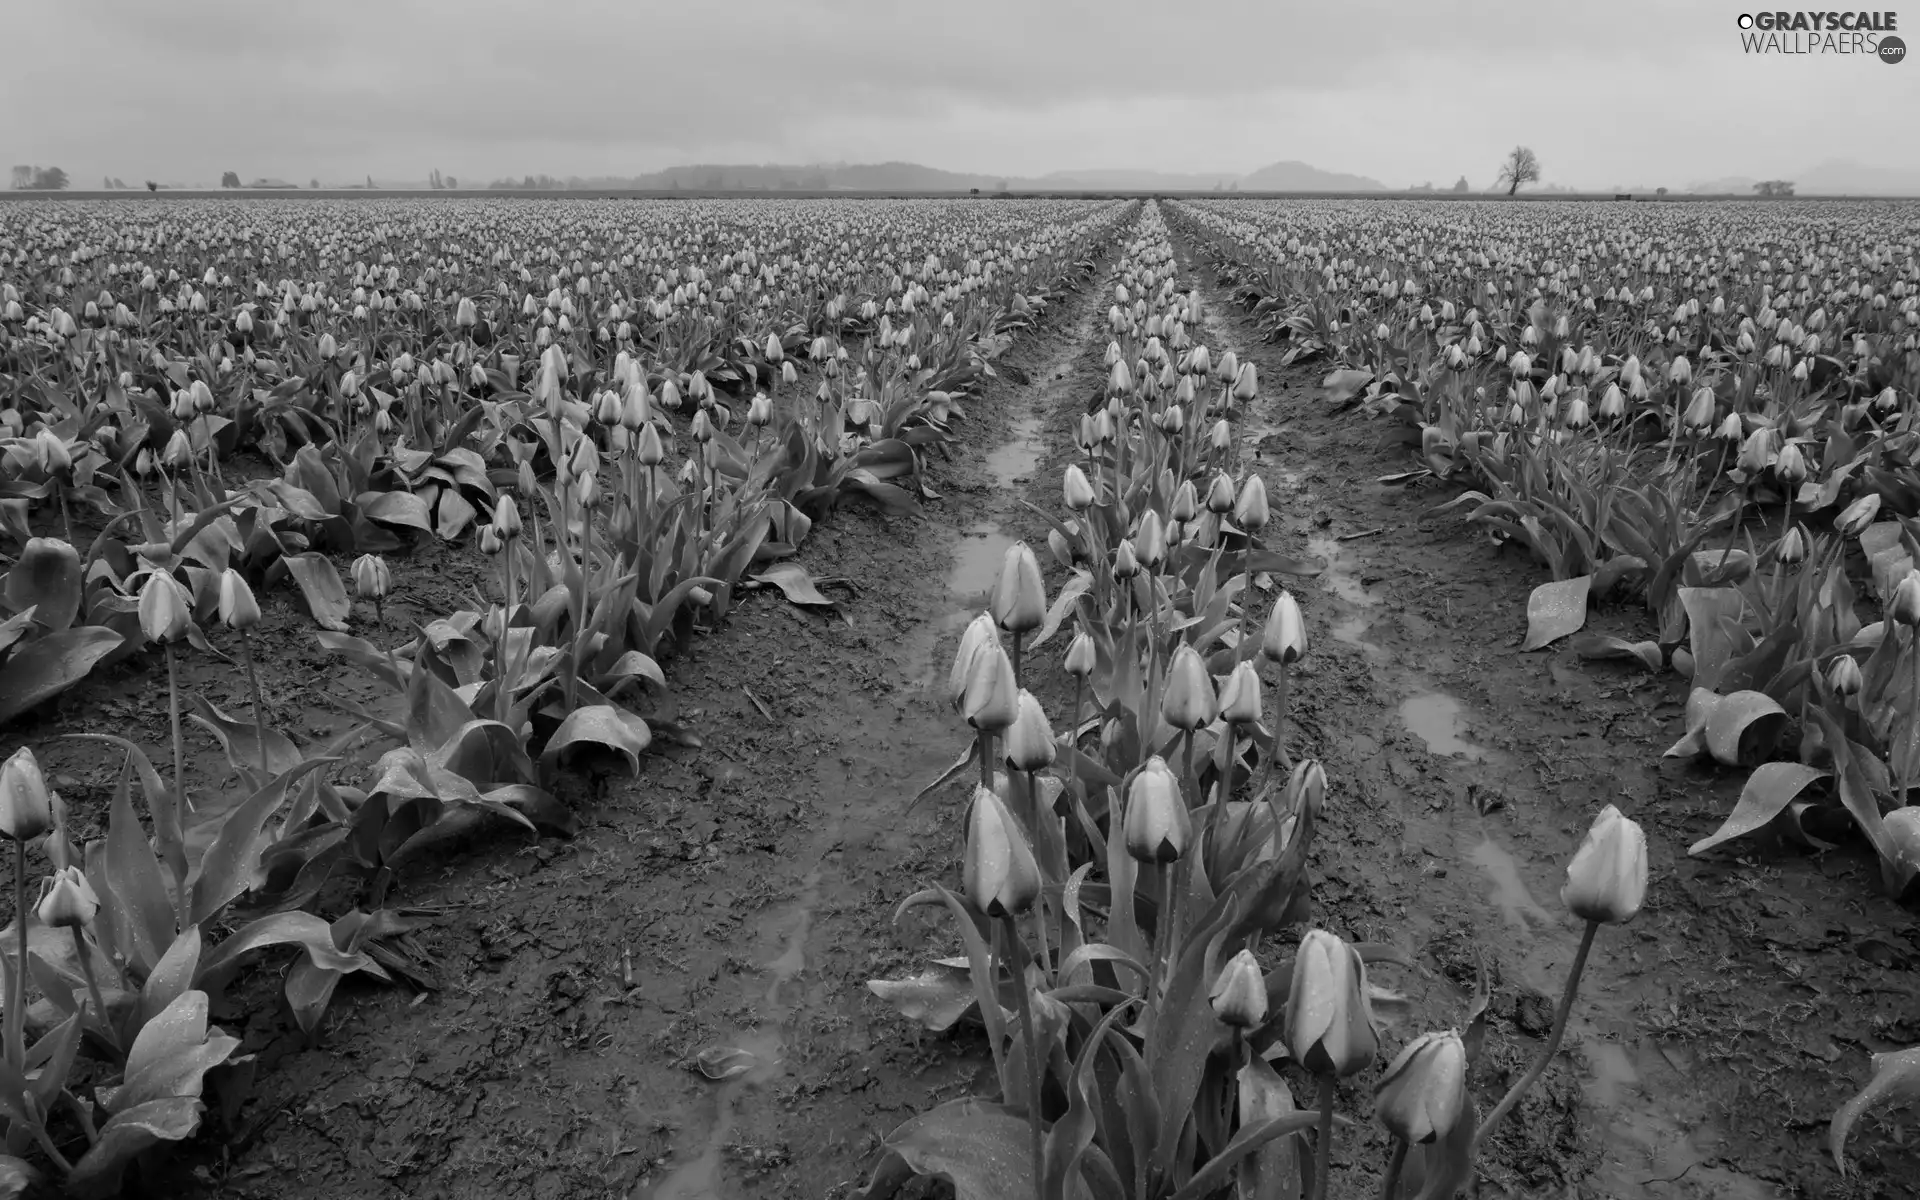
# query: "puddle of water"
x,y
1019,456
976,562
1510,892
1343,571
1612,1071
1436,718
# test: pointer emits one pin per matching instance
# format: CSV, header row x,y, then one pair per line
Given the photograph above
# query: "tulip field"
x,y
1112,699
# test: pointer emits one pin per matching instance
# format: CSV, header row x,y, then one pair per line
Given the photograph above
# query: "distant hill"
x,y
1124,179
1299,177
1835,177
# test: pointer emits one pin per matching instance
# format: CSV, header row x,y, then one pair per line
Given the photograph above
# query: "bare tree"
x,y
1521,166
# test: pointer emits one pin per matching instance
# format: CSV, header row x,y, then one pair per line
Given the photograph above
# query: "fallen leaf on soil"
x,y
1556,610
793,581
936,998
725,1062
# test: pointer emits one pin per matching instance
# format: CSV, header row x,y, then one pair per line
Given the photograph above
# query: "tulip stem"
x,y
259,707
179,830
986,759
1323,1144
1035,1076
93,986
1017,681
1552,1047
1395,1165
17,978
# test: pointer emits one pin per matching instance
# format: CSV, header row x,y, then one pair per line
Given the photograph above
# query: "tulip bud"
x,y
1220,494
490,540
1081,656
1019,596
1246,385
506,517
1607,879
1156,825
1125,563
1903,607
1854,518
1791,548
465,315
26,807
1060,548
1843,676
760,410
1285,637
1150,541
980,632
773,349
1189,702
1240,696
1307,787
67,900
238,608
179,451
1250,509
371,577
1078,491
1424,1091
1029,739
1790,466
991,699
1239,993
164,608
1329,1026
998,872
1699,411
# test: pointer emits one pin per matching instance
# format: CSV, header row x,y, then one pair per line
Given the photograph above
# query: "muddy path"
x,y
672,1004
1715,1034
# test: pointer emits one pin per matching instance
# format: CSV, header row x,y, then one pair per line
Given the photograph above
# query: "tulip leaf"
x,y
50,665
456,513
288,928
1712,617
1070,591
320,585
936,998
982,1149
1768,791
130,1133
947,776
1555,610
1605,647
170,1055
1250,1138
1896,1076
1272,1171
228,865
794,582
396,508
49,579
242,740
16,1176
603,725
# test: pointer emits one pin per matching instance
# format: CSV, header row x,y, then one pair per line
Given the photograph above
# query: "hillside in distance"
x,y
915,177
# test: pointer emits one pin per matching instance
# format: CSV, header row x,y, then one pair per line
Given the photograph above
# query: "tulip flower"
x,y
1239,993
981,631
1607,880
1329,1026
1854,518
1080,656
164,607
1078,491
1423,1093
506,517
1019,597
1790,466
26,807
1186,503
1189,702
991,699
1285,638
1250,508
1156,826
1240,696
371,580
1904,606
998,871
1150,541
1844,677
67,901
1246,384
1029,739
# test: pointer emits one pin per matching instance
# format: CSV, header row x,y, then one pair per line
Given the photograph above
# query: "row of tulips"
x,y
607,521
1728,428
1124,882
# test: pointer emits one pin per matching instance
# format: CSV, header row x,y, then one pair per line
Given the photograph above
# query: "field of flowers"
x,y
1023,697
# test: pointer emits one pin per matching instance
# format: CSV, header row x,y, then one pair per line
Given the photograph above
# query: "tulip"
x,y
67,900
1607,880
1080,656
1126,564
981,631
1844,677
1156,826
26,807
1699,411
506,517
238,609
1246,384
164,607
1250,509
1150,541
1307,788
1423,1093
1189,702
1240,696
998,872
1904,606
1790,466
1186,503
991,699
774,352
1030,745
760,410
1019,596
1239,993
1329,1025
1078,491
1285,639
1854,518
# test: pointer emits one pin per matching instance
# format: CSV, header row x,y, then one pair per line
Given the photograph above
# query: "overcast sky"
x,y
1607,92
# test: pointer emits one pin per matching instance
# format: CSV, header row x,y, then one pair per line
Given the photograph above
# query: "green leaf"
x,y
50,665
320,585
1272,1172
396,508
170,1056
984,1150
227,868
1251,1137
936,998
242,741
288,928
16,1176
794,582
141,896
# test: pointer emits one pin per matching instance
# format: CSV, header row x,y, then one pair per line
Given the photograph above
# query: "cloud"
x,y
1401,91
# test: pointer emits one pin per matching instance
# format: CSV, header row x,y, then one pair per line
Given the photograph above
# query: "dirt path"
x,y
1717,1033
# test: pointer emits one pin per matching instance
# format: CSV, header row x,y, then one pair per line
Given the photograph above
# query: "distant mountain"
x,y
1836,177
1299,177
1732,185
1124,179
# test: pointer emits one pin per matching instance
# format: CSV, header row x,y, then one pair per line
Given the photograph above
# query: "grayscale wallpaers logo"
x,y
1865,34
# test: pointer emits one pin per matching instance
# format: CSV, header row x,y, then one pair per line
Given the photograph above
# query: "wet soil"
x,y
721,914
